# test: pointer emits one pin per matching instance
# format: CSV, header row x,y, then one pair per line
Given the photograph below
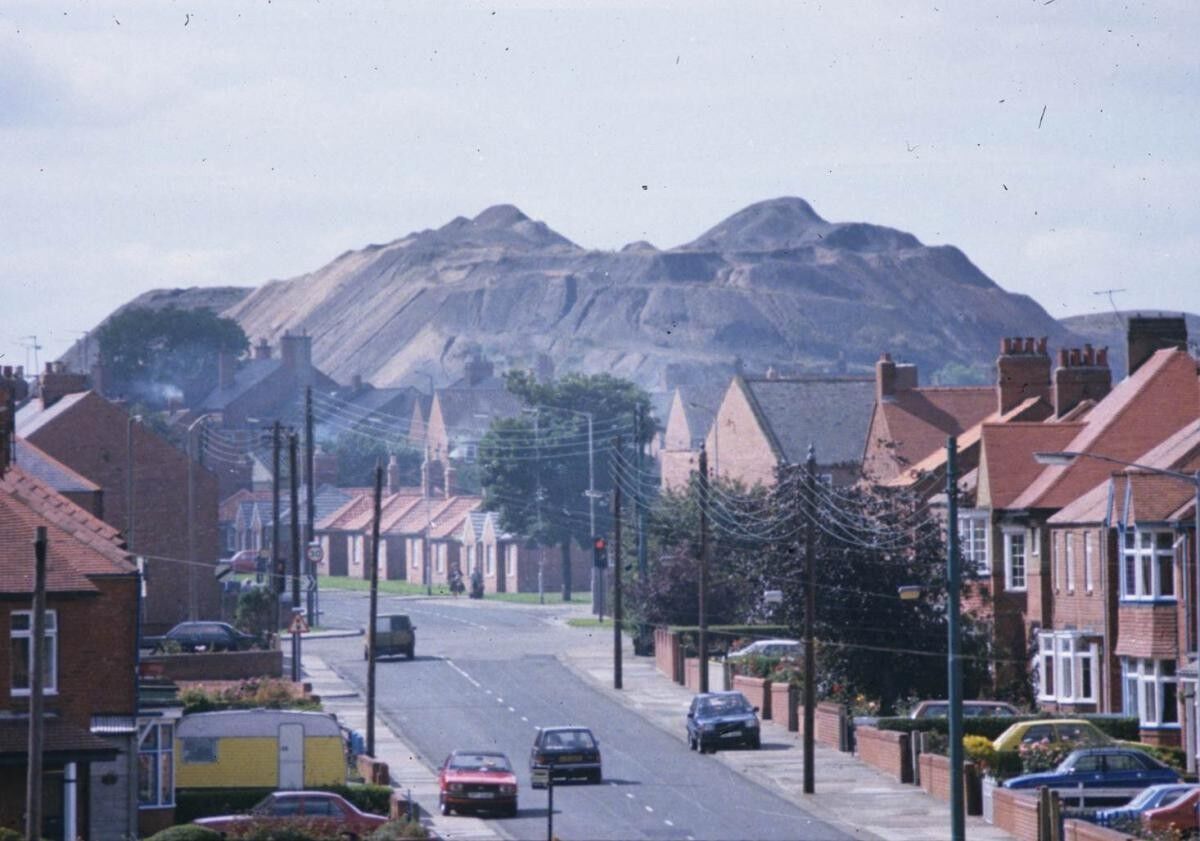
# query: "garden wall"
x,y
886,750
830,724
757,690
216,665
1074,830
1016,813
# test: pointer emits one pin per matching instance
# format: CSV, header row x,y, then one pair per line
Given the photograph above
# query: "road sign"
x,y
299,624
541,776
315,553
310,582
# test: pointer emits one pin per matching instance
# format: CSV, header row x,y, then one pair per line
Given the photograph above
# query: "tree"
x,y
358,453
154,355
533,468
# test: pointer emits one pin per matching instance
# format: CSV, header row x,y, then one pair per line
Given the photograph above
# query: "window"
x,y
440,551
1035,539
1148,565
1067,667
1014,560
490,551
1150,691
21,630
1069,540
414,553
510,565
199,750
156,770
1089,582
973,540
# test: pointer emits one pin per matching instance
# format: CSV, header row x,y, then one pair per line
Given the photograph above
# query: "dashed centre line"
x,y
473,681
668,823
649,808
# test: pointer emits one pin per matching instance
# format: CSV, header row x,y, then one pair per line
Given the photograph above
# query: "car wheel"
x,y
691,742
443,807
409,654
596,777
511,811
756,743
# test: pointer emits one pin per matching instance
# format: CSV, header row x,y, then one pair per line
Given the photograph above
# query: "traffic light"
x,y
600,553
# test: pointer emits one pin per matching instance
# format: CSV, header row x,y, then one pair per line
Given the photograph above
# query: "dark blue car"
x,y
1101,768
718,719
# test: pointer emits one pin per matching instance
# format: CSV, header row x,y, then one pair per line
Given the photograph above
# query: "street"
x,y
486,675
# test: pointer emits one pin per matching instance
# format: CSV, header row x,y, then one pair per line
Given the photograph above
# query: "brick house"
x,y
100,441
91,750
688,422
762,424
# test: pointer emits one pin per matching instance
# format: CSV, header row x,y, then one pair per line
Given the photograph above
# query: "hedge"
x,y
1124,728
186,832
205,802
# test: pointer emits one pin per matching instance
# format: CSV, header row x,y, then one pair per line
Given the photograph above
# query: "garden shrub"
x,y
375,799
398,831
186,832
249,694
192,803
1167,754
1116,727
1044,755
979,750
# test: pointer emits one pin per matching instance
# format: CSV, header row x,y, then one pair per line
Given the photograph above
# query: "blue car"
x,y
718,719
1149,798
1101,768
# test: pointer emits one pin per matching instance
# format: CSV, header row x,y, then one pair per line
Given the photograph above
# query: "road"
x,y
486,675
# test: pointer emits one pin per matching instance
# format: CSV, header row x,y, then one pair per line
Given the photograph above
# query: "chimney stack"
x,y
1148,334
263,349
1082,374
891,378
58,382
13,381
8,411
1022,371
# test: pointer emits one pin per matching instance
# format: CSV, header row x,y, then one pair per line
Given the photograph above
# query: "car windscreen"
x,y
479,762
569,740
724,705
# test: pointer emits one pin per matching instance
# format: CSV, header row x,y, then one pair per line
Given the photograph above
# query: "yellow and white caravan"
x,y
285,749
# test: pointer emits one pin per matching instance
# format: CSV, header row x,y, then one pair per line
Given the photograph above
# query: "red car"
x,y
477,780
323,811
1180,817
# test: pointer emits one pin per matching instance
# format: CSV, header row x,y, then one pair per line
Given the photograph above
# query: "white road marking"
x,y
488,691
474,682
630,796
512,709
523,718
667,822
649,808
499,700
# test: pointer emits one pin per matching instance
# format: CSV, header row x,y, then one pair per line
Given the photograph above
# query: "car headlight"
x,y
752,724
708,726
455,787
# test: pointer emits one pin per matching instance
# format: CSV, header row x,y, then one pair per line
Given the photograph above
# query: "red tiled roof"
x,y
450,521
338,519
918,420
1006,463
78,544
1144,409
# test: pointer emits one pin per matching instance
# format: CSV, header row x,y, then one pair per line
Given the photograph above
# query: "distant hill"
x,y
774,285
1107,329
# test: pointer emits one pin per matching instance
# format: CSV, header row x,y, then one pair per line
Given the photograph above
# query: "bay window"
x,y
1068,665
1147,565
1014,560
1150,691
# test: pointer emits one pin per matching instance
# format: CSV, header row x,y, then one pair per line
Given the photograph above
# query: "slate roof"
x,y
1144,409
832,413
78,545
243,504
51,471
462,409
248,376
700,404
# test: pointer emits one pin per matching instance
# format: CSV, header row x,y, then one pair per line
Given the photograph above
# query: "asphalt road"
x,y
486,675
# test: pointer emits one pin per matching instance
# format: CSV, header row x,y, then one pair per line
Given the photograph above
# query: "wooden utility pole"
x,y
810,609
616,568
33,780
276,571
702,652
374,602
294,481
310,504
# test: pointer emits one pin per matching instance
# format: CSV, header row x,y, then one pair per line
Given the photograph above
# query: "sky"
x,y
171,144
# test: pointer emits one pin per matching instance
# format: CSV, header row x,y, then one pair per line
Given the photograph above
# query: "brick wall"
x,y
827,719
667,652
757,690
737,447
1074,830
1016,813
1074,606
1147,630
217,665
935,775
887,750
782,708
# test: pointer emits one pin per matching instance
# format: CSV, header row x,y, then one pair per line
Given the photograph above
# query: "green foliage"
x,y
375,799
271,693
979,750
296,829
756,665
1167,754
398,831
1045,756
1006,764
255,612
358,453
183,832
147,354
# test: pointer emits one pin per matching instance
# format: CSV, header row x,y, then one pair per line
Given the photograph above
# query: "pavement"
x,y
849,794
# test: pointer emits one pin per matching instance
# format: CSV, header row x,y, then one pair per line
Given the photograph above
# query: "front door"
x,y
291,756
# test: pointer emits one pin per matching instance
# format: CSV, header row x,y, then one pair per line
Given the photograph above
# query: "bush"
x,y
186,832
755,665
1045,756
313,829
1006,764
271,693
1167,754
370,798
398,831
979,750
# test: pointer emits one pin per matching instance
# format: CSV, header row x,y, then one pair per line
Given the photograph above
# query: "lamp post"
x,y
1066,457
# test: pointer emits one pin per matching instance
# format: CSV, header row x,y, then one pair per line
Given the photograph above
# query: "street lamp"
x,y
1066,457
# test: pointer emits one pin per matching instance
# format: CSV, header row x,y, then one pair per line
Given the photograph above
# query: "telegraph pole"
x,y
703,647
276,559
311,506
374,603
810,609
294,481
616,568
33,780
954,659
639,503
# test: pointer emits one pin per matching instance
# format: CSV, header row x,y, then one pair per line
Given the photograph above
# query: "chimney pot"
x,y
1089,355
1063,357
1102,357
1041,346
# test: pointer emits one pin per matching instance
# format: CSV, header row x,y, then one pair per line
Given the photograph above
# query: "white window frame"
x,y
1144,691
1139,546
413,552
439,551
161,756
974,539
50,637
1056,561
1034,541
510,565
1011,580
1069,541
1063,657
489,555
1089,561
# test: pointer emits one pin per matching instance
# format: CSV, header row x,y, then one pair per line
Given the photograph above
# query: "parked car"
x,y
971,709
474,780
202,636
722,718
769,648
566,752
394,634
1180,817
244,561
1107,768
323,811
1050,730
1153,797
